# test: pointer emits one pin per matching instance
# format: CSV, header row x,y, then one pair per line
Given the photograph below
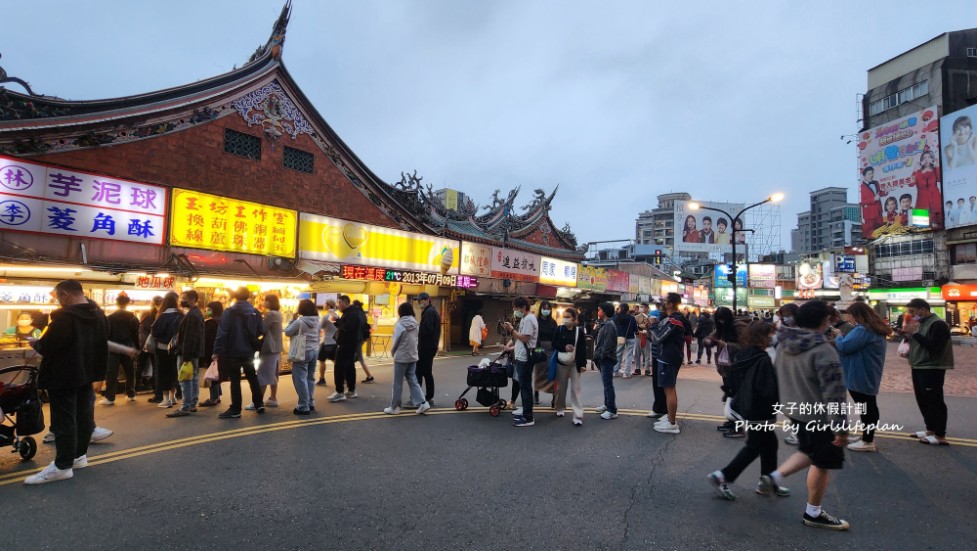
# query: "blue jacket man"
x,y
236,343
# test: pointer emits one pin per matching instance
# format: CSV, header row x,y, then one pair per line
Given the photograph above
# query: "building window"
x,y
965,253
905,95
299,160
971,52
241,144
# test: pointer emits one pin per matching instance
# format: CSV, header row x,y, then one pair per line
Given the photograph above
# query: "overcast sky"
x,y
616,101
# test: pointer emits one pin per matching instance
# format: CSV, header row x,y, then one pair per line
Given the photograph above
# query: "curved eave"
x,y
525,246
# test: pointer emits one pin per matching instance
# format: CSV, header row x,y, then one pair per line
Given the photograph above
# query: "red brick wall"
x,y
195,159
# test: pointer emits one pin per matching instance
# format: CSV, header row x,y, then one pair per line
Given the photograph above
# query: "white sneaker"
x,y
600,409
790,439
423,407
165,404
336,397
80,462
607,415
517,412
250,407
271,403
100,433
653,415
578,421
862,446
50,474
663,421
48,438
106,402
391,411
560,413
668,428
130,399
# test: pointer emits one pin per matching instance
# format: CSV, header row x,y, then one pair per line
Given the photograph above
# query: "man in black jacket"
x,y
123,329
349,338
671,337
428,338
703,329
190,348
75,354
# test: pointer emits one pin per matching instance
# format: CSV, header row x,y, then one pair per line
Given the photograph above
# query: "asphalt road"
x,y
351,478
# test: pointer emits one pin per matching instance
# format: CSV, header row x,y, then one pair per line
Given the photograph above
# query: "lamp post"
x,y
775,198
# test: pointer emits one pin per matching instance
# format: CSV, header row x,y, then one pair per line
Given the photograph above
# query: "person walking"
x,y
930,356
862,352
403,349
349,329
211,324
303,349
570,344
123,329
74,351
163,334
809,372
477,333
703,329
525,338
234,348
270,356
547,329
671,337
641,355
691,321
627,328
605,356
754,397
327,346
428,338
190,347
725,338
367,330
658,407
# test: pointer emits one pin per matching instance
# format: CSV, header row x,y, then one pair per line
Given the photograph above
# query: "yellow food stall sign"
x,y
203,221
333,239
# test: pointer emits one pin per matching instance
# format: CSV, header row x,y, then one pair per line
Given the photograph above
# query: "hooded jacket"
x,y
74,348
303,336
810,377
430,331
231,341
605,347
191,335
863,356
670,335
404,345
753,385
349,334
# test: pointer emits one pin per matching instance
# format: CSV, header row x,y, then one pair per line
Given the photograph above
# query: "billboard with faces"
x,y
959,153
704,230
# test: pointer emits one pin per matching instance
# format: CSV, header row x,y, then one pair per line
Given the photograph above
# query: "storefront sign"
x,y
45,199
618,281
957,293
333,239
700,295
205,221
721,275
907,274
904,294
155,282
515,265
669,287
645,285
761,301
845,264
553,271
634,284
367,273
476,259
592,278
17,294
764,276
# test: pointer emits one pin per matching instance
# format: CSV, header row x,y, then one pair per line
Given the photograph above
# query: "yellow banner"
x,y
205,221
336,240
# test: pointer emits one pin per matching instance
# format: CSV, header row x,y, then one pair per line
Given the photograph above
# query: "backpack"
x,y
256,341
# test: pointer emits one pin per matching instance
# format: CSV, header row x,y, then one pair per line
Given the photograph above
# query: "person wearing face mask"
x,y
271,352
930,356
190,348
24,328
211,324
428,337
524,338
570,342
605,356
547,330
123,329
167,323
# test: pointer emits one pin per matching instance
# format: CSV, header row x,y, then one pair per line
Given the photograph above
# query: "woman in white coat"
x,y
475,334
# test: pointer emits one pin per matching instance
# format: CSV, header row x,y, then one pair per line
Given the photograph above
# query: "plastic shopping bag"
x,y
186,371
903,349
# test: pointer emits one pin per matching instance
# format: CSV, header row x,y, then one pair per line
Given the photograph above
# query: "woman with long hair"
x,y
690,234
165,326
303,350
211,324
271,351
570,342
862,353
725,338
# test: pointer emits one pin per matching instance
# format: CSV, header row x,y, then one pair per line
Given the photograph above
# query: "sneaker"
x,y
99,434
423,407
600,409
80,462
663,420
636,372
560,413
517,412
209,403
48,438
50,474
761,490
166,404
790,439
321,382
608,415
862,446
336,397
368,379
260,409
178,413
352,394
230,414
626,375
719,482
523,422
271,403
391,411
653,415
667,428
106,402
734,434
578,422
766,485
647,373
298,411
824,520
698,361
250,407
130,399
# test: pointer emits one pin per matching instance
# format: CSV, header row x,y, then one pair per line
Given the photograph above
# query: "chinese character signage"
x,y
764,276
845,264
557,272
368,273
476,259
721,276
618,281
333,239
45,199
959,154
164,283
899,172
592,278
203,221
515,265
706,231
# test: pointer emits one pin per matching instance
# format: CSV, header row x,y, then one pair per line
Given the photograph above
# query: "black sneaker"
x,y
297,411
321,382
647,373
259,409
824,520
522,422
229,414
368,379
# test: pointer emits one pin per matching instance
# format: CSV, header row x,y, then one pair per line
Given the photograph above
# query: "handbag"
x,y
537,355
484,333
212,375
567,358
30,417
903,349
186,372
722,360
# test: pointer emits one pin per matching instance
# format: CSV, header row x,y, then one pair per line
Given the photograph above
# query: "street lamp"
x,y
775,198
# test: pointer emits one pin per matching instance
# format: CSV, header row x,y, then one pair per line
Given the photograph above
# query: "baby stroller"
x,y
488,379
18,396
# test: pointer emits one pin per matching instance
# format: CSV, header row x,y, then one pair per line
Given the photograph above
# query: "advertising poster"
x,y
618,281
553,271
763,276
721,275
706,231
592,278
810,275
899,175
959,156
204,221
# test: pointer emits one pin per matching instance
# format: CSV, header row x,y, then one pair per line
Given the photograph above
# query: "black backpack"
x,y
256,341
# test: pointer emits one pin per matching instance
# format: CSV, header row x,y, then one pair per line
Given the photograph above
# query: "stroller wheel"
x,y
459,405
464,402
494,411
27,448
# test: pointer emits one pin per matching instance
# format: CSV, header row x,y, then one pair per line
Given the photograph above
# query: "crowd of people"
x,y
799,363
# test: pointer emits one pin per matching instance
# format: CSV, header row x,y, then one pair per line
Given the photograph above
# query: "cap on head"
x,y
423,296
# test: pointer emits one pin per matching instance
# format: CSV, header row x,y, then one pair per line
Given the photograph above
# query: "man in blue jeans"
x,y
605,356
190,348
525,338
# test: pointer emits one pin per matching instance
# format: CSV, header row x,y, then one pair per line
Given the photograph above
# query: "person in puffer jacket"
x,y
404,352
303,350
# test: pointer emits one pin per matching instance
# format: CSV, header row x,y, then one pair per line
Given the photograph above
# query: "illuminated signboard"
x,y
557,272
368,273
592,278
515,265
205,221
476,259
